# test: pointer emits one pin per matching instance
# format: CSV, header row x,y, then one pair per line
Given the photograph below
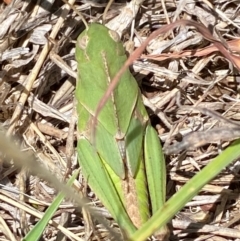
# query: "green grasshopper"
x,y
125,165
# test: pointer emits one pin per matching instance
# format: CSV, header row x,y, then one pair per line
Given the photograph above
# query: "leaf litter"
x,y
188,73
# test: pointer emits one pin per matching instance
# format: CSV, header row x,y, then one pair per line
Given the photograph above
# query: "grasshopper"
x,y
125,164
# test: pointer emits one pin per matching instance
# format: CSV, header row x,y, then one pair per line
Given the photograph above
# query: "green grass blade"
x,y
187,192
36,233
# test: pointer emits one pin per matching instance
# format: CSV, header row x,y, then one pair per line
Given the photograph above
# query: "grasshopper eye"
x,y
83,42
114,35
